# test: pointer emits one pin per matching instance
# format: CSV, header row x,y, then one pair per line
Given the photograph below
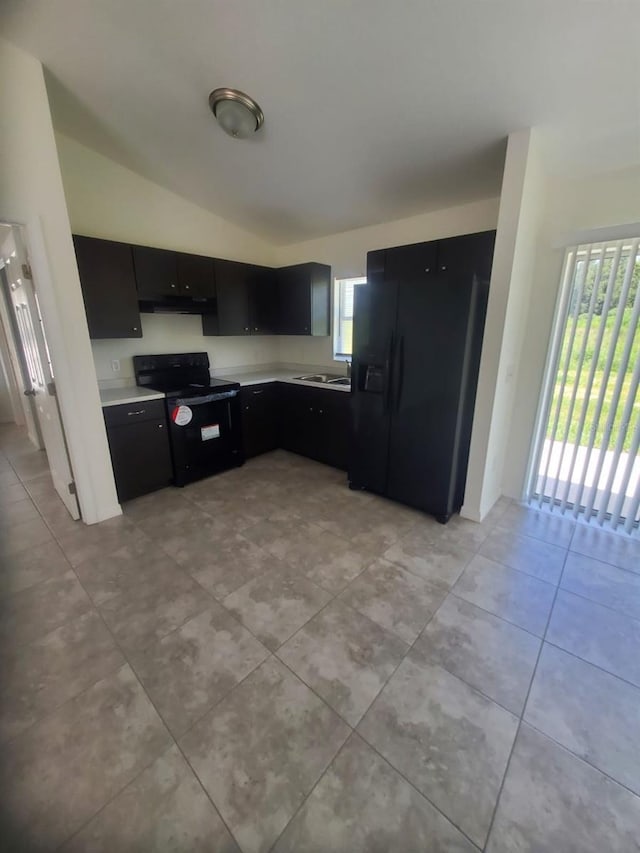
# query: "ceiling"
x,y
374,110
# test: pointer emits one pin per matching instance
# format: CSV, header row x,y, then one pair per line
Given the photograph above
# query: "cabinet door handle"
x,y
310,408
246,328
172,286
139,412
134,329
258,392
255,328
186,287
160,426
320,411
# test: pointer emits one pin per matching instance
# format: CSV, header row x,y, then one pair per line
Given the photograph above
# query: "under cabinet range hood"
x,y
174,282
178,305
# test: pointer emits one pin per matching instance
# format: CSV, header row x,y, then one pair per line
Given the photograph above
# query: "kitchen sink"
x,y
323,378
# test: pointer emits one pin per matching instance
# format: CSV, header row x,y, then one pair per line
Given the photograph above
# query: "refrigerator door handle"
x,y
387,376
400,373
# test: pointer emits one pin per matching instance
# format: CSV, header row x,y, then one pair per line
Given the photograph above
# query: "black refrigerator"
x,y
417,337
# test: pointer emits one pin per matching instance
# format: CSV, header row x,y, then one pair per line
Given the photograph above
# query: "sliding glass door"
x,y
585,456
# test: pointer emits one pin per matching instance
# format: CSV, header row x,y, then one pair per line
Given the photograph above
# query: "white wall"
x,y
31,193
180,333
346,253
106,200
601,207
519,221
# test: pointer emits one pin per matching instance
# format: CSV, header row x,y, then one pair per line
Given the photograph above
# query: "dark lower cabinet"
x,y
315,423
139,445
259,418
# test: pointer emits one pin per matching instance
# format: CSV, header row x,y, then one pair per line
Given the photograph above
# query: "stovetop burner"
x,y
176,374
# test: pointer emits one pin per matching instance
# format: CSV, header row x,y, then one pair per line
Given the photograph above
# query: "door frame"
x,y
22,406
44,404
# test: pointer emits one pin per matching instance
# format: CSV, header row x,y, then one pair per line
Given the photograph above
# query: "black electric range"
x,y
203,413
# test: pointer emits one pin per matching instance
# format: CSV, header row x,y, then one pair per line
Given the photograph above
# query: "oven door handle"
x,y
205,398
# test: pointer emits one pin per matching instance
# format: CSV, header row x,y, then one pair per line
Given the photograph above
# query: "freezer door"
x,y
434,339
373,342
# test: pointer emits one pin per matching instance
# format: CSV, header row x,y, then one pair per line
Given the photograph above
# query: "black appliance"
x,y
417,338
203,413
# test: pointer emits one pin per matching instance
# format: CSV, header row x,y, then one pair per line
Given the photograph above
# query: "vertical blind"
x,y
586,449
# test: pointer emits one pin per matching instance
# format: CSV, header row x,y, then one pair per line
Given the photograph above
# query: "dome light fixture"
x,y
237,113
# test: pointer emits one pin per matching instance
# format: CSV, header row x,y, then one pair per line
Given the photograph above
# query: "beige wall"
x,y
346,253
31,193
106,200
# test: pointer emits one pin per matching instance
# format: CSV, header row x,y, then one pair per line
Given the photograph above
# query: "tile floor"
x,y
268,661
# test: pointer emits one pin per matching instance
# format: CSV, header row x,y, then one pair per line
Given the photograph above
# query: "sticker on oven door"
x,y
211,431
182,415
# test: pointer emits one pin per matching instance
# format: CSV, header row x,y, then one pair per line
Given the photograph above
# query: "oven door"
x,y
205,433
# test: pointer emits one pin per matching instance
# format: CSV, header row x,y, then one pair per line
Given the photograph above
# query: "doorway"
x,y
28,357
585,458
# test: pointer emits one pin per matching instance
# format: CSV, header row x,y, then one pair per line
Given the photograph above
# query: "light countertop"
x,y
278,374
133,394
128,394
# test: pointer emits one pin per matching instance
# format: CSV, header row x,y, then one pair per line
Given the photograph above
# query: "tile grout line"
x,y
495,615
524,706
313,787
416,789
594,665
582,759
172,738
272,654
323,701
127,662
599,603
354,729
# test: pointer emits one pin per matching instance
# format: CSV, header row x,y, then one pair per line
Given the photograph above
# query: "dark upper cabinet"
x,y
234,298
264,307
156,272
259,405
108,288
196,276
232,292
303,292
161,273
247,300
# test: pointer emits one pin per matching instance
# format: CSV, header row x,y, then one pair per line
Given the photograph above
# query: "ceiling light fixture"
x,y
237,113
